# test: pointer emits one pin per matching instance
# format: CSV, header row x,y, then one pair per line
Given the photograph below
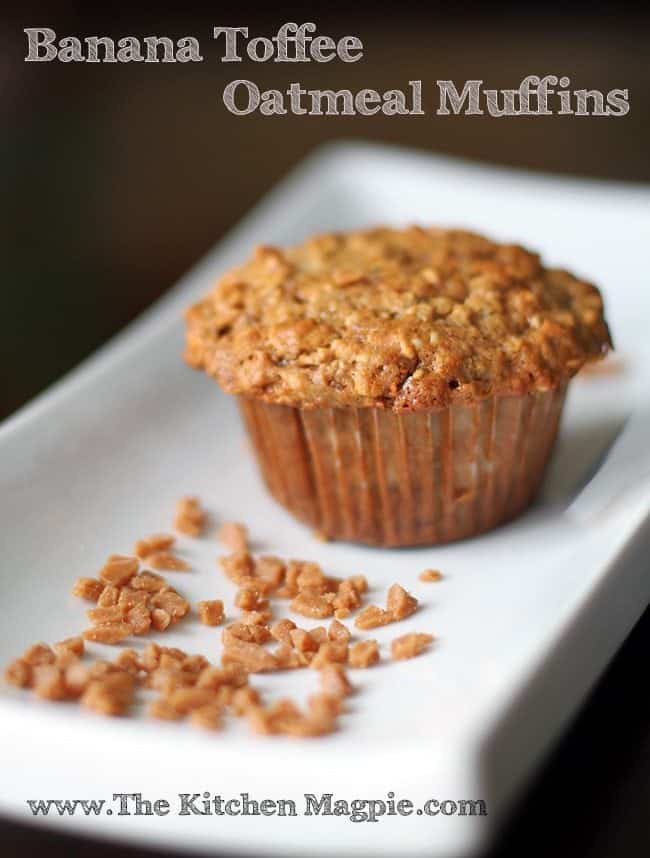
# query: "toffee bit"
x,y
399,603
373,616
152,544
410,645
313,605
167,560
88,588
108,633
237,566
234,536
190,517
118,570
211,612
364,654
334,681
281,631
430,575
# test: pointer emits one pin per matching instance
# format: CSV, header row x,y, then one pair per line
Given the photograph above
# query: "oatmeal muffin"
x,y
400,387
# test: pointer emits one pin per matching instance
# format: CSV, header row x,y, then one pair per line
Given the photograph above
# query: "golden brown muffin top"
x,y
406,319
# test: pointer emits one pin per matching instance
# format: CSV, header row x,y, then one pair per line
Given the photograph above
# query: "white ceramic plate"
x,y
526,618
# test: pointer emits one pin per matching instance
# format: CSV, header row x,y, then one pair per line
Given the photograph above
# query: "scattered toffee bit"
x,y
128,660
211,612
334,681
281,631
319,634
314,605
172,602
184,700
88,588
291,659
19,673
48,682
209,717
325,704
109,596
129,601
190,517
408,646
188,686
148,581
39,653
303,641
372,617
108,633
257,618
238,566
234,536
364,654
284,717
110,695
271,570
139,618
243,699
337,631
118,570
160,619
76,677
249,655
167,560
161,709
348,596
253,633
359,582
430,575
116,613
399,605
330,653
153,544
251,598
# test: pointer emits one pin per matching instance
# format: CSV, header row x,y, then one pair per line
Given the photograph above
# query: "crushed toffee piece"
x,y
364,654
211,612
334,680
234,536
190,518
399,603
118,570
88,588
167,560
111,695
410,645
130,601
153,544
373,616
430,575
313,605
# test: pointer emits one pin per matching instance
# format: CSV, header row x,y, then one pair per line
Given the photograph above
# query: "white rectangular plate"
x,y
526,617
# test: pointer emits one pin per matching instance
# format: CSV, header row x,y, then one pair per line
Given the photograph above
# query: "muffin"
x,y
400,386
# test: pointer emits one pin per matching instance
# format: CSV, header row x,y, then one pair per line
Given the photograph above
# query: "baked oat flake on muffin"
x,y
423,363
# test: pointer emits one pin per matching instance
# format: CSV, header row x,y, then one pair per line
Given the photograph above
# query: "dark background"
x,y
116,178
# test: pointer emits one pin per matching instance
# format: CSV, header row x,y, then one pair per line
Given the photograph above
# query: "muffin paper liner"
x,y
413,478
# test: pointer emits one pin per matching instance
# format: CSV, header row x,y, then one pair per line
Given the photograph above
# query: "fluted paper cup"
x,y
413,478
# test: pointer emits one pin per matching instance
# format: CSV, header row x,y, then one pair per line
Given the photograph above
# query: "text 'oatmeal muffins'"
x,y
401,387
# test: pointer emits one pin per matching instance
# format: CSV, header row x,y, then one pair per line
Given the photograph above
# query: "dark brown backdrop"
x,y
117,177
